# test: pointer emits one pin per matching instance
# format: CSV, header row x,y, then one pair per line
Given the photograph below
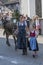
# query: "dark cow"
x,y
9,29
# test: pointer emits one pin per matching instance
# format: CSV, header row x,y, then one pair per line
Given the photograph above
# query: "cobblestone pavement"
x,y
8,55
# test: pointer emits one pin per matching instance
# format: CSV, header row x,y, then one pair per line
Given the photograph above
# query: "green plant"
x,y
16,14
13,15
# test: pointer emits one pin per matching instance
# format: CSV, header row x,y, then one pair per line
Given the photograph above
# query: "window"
x,y
38,8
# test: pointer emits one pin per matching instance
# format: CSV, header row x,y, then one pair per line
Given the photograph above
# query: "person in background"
x,y
21,40
28,20
37,23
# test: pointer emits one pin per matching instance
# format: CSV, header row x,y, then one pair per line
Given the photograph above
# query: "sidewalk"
x,y
40,37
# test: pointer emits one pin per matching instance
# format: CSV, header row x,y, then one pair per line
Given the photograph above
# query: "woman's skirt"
x,y
33,45
21,42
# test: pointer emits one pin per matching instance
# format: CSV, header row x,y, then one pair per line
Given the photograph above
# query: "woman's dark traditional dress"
x,y
21,42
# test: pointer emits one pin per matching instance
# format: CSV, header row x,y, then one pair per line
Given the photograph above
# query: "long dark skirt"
x,y
21,42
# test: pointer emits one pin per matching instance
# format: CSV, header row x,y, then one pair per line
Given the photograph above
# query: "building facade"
x,y
12,4
31,7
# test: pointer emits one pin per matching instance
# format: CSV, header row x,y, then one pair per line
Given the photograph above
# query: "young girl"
x,y
33,42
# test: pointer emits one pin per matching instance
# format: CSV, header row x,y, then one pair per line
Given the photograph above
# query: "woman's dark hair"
x,y
21,15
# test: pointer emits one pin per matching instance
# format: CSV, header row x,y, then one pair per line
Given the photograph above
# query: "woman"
x,y
37,23
21,42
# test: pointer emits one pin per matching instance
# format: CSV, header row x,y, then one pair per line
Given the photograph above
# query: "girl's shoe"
x,y
33,56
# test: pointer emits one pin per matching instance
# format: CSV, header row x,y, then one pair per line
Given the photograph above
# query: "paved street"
x,y
8,55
